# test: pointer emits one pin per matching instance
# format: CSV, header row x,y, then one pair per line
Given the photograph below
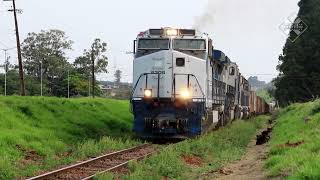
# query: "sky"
x,y
246,30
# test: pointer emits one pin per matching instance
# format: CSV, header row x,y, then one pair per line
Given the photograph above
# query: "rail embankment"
x,y
39,133
295,143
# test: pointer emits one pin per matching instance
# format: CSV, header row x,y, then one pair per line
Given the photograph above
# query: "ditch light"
x,y
148,93
185,94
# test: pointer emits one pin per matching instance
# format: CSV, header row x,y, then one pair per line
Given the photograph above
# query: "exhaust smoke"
x,y
205,21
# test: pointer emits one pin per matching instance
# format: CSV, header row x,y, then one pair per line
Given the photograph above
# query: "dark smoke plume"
x,y
206,20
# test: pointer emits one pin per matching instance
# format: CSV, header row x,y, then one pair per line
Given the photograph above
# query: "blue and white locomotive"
x,y
182,86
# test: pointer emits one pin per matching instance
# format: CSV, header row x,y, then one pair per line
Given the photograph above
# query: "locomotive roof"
x,y
220,56
163,32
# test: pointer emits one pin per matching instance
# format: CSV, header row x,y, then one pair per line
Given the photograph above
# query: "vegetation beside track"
x,y
42,133
295,147
191,158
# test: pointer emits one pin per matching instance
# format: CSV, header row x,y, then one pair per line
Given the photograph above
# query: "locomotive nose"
x,y
153,75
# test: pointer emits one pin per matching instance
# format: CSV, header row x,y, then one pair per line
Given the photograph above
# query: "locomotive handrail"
x,y
142,75
135,86
174,84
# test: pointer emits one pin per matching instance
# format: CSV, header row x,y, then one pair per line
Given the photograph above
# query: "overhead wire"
x,y
3,45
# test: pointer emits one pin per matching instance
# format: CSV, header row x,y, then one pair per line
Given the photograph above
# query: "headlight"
x,y
148,93
172,32
185,94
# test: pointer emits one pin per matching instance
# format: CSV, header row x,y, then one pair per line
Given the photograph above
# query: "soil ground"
x,y
249,167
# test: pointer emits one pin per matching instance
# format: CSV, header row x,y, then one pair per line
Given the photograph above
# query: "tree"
x,y
78,87
299,65
49,49
93,61
13,86
83,64
117,76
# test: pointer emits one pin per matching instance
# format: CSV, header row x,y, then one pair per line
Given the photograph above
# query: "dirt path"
x,y
249,167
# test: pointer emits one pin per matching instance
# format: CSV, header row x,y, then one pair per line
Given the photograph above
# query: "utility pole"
x,y
93,77
5,77
68,83
22,85
5,66
5,72
41,78
89,85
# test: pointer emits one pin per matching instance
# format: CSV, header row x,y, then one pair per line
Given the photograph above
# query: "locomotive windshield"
x,y
153,44
149,46
190,44
194,47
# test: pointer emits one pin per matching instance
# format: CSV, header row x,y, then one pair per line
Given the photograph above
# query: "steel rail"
x,y
118,166
123,164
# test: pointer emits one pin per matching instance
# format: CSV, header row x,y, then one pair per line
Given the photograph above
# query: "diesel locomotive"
x,y
184,87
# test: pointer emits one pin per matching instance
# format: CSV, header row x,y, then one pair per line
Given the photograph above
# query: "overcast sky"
x,y
247,30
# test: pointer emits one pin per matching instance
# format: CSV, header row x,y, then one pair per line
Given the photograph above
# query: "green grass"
x,y
42,133
215,149
296,123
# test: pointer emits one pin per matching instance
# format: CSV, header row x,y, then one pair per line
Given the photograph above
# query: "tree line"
x,y
299,64
45,60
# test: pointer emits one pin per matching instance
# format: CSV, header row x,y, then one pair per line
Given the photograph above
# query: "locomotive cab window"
x,y
232,71
194,47
190,44
149,46
180,62
153,44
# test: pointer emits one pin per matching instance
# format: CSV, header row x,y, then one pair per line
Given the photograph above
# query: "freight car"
x,y
183,87
258,105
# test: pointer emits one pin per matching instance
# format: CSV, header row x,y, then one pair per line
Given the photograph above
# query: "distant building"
x,y
105,88
119,91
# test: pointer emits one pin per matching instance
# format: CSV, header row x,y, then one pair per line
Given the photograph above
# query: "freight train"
x,y
184,87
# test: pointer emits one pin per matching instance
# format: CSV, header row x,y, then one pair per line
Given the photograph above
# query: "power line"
x,y
3,44
263,74
8,49
260,74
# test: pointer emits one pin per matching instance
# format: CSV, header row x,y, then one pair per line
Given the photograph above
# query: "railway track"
x,y
90,168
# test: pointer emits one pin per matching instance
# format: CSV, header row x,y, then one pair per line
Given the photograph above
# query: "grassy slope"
x,y
297,123
215,149
41,133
